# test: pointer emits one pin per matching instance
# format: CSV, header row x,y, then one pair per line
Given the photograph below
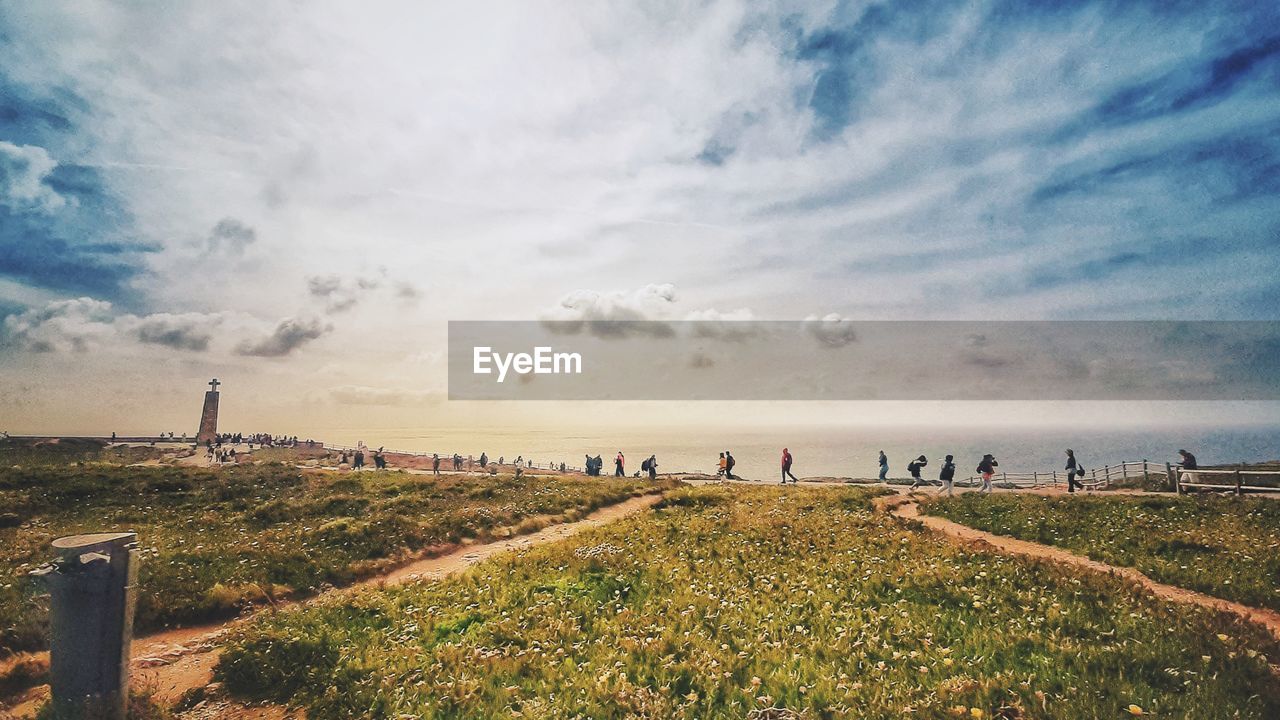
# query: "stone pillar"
x,y
93,587
209,415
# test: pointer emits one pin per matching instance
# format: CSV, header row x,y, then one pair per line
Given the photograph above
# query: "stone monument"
x,y
209,416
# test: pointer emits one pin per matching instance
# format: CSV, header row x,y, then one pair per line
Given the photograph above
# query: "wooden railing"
x,y
1093,478
1233,479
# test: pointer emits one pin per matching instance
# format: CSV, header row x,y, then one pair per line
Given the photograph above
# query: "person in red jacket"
x,y
786,467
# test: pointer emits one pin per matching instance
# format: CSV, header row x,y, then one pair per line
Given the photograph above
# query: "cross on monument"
x,y
214,384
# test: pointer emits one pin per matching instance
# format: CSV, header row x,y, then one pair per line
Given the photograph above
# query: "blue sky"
x,y
257,189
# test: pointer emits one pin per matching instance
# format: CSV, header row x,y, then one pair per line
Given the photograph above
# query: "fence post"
x,y
1055,477
1238,490
1106,474
1145,476
1035,478
1173,478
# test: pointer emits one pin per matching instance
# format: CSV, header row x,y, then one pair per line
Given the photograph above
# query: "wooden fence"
x,y
1093,478
1239,480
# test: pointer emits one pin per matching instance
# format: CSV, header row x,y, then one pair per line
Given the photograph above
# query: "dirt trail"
x,y
174,661
906,508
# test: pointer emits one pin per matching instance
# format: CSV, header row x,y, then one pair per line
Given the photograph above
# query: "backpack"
x,y
645,466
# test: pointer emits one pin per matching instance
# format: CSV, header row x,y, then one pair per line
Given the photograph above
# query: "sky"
x,y
297,197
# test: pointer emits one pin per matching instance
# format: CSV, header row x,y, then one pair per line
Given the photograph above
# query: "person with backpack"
x,y
786,467
884,466
913,467
651,467
1074,471
947,476
729,462
435,463
986,469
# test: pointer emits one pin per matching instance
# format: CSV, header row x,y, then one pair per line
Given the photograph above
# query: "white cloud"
x,y
76,325
23,170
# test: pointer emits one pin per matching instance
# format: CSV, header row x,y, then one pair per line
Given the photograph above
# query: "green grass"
x,y
725,602
217,539
29,452
1226,547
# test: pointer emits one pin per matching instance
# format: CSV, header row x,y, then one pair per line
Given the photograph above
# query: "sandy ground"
x,y
904,507
172,662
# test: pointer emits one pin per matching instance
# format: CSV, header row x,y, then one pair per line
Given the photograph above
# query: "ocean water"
x,y
838,452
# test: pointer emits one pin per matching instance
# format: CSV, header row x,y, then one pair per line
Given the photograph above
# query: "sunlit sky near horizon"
x,y
297,197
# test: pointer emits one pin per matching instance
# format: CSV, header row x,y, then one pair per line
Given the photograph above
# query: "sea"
x,y
832,451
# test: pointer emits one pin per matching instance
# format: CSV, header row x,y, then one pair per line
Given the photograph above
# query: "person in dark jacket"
x,y
986,469
884,466
913,467
1074,471
1188,463
729,462
947,475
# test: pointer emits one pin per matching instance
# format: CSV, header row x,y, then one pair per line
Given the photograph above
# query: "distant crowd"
x,y
593,466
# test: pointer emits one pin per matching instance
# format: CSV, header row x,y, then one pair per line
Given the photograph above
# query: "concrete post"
x,y
93,587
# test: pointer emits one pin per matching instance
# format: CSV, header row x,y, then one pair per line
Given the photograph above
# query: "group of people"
x,y
219,455
355,458
726,466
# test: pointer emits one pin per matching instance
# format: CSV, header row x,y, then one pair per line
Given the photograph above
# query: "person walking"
x,y
884,466
986,469
722,467
435,463
786,467
359,461
619,465
1073,471
913,467
729,462
947,476
653,467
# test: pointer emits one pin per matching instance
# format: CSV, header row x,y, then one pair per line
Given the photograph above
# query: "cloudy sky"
x,y
297,197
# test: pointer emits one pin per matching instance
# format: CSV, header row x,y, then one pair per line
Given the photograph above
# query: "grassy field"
x,y
28,452
217,539
1226,547
756,603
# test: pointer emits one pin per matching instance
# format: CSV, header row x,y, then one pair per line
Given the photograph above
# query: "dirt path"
x,y
172,662
904,507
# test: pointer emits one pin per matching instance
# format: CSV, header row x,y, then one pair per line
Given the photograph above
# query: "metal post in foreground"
x,y
92,584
